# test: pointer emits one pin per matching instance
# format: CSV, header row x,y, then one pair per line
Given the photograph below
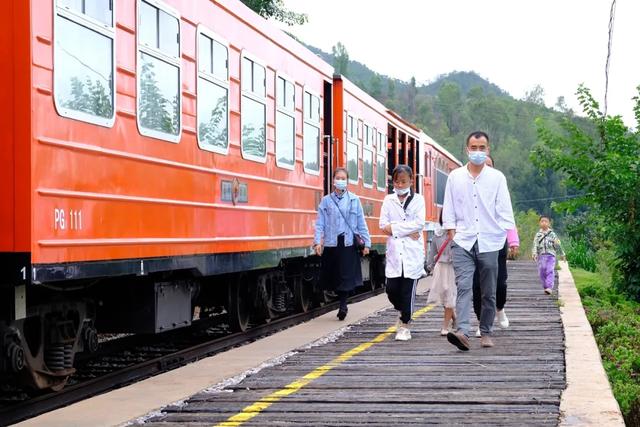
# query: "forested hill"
x,y
457,103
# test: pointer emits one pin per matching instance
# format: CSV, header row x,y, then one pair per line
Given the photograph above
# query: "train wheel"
x,y
238,304
302,294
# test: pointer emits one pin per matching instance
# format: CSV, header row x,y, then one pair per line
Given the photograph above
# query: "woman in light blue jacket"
x,y
340,229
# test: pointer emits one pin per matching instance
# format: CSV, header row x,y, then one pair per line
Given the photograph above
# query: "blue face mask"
x,y
477,157
341,184
401,191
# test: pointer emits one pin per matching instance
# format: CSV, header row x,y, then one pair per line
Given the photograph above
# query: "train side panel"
x,y
109,193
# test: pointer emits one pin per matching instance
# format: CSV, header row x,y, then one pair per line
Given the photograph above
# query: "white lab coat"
x,y
404,254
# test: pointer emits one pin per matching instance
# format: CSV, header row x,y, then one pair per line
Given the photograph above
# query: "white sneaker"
x,y
478,334
403,334
503,321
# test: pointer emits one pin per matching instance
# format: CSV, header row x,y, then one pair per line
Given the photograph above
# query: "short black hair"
x,y
544,216
401,169
336,170
477,134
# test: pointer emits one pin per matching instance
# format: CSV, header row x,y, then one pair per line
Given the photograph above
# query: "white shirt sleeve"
x,y
504,210
448,209
384,214
415,211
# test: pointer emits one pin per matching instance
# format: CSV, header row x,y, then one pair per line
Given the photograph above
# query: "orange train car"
x,y
159,156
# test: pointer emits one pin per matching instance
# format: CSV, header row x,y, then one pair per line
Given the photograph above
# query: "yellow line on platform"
x,y
256,408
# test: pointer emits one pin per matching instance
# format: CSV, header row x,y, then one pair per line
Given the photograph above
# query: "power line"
x,y
612,15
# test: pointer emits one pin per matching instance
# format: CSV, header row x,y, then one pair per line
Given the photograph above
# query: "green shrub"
x,y
615,321
579,254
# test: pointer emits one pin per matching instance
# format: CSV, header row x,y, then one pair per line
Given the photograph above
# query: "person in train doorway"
x,y
476,213
402,219
341,234
510,250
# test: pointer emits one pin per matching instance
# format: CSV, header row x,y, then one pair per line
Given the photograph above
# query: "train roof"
x,y
391,115
426,138
276,35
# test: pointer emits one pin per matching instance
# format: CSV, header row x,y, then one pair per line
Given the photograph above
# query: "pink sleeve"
x,y
512,237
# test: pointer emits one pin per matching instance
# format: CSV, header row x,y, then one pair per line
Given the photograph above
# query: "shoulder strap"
x,y
338,207
444,245
544,236
406,202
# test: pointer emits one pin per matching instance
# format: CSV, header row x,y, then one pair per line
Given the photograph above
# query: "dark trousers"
x,y
501,288
343,299
401,292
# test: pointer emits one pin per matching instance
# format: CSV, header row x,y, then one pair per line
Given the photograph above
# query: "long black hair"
x,y
401,169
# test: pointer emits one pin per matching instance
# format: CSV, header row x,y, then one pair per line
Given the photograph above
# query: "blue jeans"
x,y
465,264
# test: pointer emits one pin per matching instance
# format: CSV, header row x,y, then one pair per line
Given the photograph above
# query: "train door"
x,y
327,140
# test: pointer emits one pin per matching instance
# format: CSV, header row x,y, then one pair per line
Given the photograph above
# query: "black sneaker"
x,y
342,313
459,339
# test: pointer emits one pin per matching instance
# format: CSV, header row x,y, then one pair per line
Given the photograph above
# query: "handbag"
x,y
358,241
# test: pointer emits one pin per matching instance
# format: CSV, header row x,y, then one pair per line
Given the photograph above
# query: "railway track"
x,y
126,361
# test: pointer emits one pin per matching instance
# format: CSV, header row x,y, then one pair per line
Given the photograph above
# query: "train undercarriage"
x,y
38,350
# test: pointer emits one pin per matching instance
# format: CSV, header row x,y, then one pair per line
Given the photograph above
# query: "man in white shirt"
x,y
476,213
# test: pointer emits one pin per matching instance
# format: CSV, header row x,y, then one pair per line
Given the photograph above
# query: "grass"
x,y
615,321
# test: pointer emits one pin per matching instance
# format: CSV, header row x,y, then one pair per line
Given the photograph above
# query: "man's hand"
x,y
451,234
513,252
535,258
318,249
387,230
365,251
415,236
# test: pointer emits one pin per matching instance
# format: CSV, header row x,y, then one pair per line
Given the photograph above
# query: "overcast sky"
x,y
514,44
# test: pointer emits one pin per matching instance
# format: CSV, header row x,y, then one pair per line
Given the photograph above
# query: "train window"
x,y
368,136
84,66
367,167
352,162
100,10
351,128
381,145
213,93
159,101
253,106
311,133
441,184
285,123
381,178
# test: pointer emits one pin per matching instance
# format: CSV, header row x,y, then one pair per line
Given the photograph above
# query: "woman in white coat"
x,y
402,219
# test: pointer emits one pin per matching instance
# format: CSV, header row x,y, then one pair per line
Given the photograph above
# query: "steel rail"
x,y
85,389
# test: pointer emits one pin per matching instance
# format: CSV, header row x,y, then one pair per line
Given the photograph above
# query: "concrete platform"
x,y
588,399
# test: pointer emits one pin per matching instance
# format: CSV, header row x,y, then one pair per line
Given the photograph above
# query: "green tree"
x,y
535,95
450,103
375,87
156,112
411,99
275,9
603,163
341,59
90,97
